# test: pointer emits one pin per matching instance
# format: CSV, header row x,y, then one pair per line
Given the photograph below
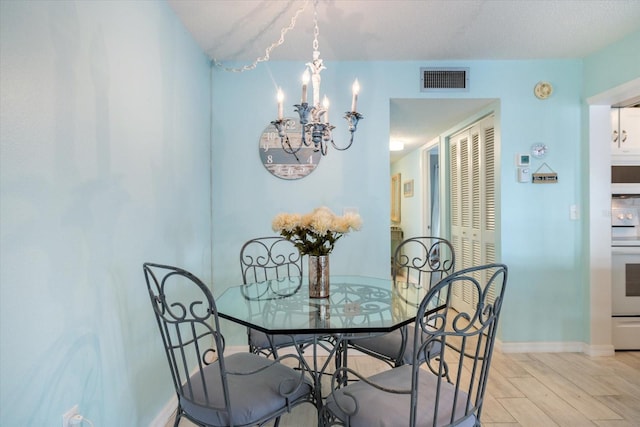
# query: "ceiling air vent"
x,y
447,79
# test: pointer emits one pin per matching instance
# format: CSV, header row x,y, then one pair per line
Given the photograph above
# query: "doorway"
x,y
599,224
431,185
422,126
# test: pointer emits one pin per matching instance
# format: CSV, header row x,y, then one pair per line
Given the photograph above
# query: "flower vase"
x,y
319,276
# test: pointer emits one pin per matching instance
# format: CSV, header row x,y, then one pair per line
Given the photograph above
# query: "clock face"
x,y
285,157
539,150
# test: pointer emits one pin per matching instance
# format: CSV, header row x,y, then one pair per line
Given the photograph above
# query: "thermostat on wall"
x,y
523,159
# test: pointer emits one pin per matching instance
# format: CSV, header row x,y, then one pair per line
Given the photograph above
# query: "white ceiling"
x,y
388,30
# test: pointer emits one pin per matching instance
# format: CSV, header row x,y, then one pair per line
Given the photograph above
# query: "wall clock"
x,y
539,150
289,160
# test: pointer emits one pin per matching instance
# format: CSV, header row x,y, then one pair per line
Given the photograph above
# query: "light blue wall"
x,y
539,242
104,165
247,197
619,63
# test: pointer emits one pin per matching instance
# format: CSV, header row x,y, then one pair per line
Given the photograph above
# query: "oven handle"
x,y
625,250
627,323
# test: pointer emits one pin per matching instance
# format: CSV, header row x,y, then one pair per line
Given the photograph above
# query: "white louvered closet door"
x,y
473,200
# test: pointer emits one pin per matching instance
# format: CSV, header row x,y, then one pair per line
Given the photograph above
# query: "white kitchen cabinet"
x,y
625,126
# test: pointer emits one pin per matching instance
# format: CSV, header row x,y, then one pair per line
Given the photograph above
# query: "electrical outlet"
x,y
66,417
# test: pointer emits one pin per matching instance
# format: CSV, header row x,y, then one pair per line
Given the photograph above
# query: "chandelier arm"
x,y
343,148
352,118
286,142
284,138
323,146
268,50
304,139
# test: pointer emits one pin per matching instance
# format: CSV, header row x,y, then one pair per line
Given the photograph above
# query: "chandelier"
x,y
314,118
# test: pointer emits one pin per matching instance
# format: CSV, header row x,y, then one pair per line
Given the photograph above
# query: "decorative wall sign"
x,y
550,177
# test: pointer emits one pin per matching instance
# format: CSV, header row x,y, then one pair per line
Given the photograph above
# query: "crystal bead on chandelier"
x,y
314,118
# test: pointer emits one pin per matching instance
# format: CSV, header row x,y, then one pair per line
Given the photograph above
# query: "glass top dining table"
x,y
357,304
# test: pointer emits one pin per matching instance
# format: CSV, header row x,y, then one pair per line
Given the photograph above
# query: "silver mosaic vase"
x,y
319,276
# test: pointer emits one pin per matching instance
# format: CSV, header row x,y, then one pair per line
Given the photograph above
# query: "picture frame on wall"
x,y
408,188
395,197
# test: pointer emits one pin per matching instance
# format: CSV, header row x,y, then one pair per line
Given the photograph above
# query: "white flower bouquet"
x,y
317,232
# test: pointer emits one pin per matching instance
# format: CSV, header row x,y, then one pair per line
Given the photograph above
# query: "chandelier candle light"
x,y
314,119
315,234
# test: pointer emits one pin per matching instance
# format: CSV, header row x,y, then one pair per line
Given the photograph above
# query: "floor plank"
x,y
616,423
526,413
494,412
626,405
550,403
576,397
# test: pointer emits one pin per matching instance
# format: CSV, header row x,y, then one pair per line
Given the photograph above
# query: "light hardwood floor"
x,y
539,390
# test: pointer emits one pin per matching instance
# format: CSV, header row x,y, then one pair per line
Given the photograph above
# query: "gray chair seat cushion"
x,y
390,345
259,339
252,396
382,409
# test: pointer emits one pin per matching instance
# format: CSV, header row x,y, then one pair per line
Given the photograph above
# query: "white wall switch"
x,y
574,215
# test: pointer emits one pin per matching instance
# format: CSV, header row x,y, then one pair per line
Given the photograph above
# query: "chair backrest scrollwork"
x,y
420,263
266,258
460,344
188,322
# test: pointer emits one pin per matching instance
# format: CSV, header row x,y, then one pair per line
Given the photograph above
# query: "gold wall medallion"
x,y
543,90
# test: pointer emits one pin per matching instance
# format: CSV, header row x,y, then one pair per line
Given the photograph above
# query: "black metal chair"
x,y
444,384
268,258
213,389
419,262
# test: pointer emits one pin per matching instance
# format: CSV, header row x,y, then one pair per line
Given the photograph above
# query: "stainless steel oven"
x,y
625,252
625,297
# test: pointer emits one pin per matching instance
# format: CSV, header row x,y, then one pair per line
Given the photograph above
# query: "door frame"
x,y
598,226
425,178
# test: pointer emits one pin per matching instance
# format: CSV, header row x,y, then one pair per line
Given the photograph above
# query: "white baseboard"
x,y
599,350
539,347
166,414
554,347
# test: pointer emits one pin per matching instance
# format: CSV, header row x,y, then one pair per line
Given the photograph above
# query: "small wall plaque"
x,y
550,177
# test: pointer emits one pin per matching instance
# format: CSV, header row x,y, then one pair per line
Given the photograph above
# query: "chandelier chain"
x,y
316,131
273,45
316,30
